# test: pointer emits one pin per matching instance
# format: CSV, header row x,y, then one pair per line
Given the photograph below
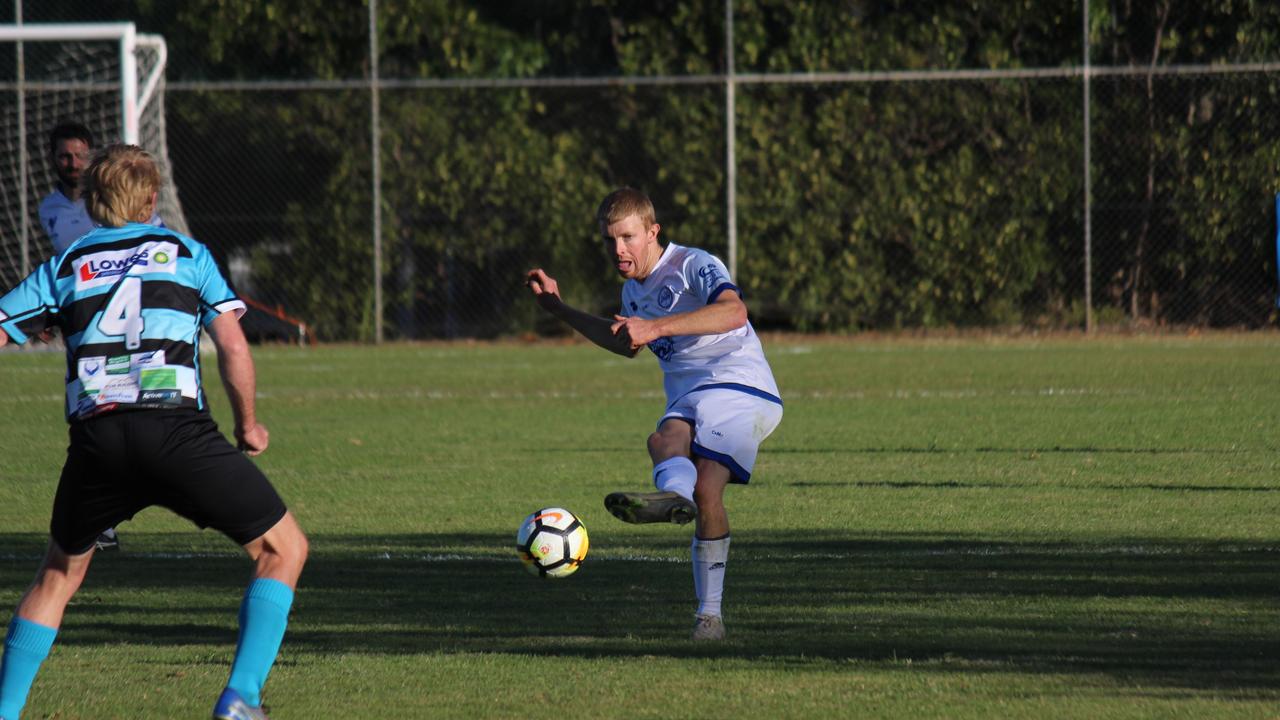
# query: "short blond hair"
x,y
119,185
622,204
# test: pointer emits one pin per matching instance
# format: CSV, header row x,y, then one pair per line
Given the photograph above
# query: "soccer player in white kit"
x,y
722,401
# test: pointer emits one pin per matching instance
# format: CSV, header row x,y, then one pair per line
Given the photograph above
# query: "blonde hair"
x,y
119,185
622,204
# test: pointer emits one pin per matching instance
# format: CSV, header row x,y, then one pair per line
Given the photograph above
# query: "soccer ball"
x,y
552,542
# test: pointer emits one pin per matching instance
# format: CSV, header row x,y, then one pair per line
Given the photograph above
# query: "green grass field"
x,y
980,528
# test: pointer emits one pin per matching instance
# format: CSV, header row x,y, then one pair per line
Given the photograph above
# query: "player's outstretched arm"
x,y
235,364
4,337
596,329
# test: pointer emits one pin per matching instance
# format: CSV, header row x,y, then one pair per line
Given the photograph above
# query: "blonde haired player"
x,y
722,401
131,300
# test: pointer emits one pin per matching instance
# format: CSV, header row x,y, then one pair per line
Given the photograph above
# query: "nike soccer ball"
x,y
552,542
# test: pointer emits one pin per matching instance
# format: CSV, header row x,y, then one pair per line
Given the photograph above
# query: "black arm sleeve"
x,y
596,329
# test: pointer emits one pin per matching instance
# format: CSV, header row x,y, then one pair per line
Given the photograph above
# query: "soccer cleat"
x,y
108,540
638,508
707,627
233,707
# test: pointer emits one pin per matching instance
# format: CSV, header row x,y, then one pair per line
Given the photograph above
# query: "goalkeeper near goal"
x,y
722,401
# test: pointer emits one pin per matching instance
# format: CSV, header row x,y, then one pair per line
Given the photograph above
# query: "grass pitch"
x,y
1057,528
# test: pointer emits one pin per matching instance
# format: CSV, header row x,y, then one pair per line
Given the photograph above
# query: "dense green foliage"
x,y
938,529
861,205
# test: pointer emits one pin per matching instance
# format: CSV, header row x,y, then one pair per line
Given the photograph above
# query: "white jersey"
x,y
66,220
684,280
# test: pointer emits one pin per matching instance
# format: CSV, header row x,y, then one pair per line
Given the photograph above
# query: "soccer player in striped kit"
x,y
131,300
722,401
64,217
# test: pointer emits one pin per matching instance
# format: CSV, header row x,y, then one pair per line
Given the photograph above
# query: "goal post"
x,y
106,76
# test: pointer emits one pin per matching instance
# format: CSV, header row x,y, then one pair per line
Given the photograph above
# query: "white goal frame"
x,y
135,93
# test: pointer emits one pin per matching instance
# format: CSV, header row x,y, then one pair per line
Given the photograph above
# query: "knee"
x,y
286,544
706,497
663,446
656,444
296,548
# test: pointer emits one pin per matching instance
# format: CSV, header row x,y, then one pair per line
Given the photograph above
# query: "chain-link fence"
x,y
922,198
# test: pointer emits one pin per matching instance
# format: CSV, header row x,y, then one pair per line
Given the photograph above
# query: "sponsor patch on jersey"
x,y
710,275
152,359
159,379
104,268
118,365
123,390
663,347
86,401
161,397
90,367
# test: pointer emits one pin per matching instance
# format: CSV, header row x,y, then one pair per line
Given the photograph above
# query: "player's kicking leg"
x,y
674,475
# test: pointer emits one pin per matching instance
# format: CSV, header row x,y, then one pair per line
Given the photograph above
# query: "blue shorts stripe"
x,y
757,392
737,473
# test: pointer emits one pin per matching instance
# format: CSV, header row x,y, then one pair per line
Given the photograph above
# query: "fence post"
x,y
730,145
375,151
1088,208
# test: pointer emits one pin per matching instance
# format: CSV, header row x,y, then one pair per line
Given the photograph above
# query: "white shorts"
x,y
728,425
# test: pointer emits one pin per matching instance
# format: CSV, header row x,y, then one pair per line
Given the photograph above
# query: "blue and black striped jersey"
x,y
131,302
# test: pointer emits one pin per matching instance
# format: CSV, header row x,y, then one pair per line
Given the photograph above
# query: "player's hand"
x,y
253,439
640,331
544,287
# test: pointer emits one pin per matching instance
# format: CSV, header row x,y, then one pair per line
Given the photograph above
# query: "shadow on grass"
x,y
966,485
1189,615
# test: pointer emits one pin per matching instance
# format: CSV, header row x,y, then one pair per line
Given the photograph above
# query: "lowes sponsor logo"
x,y
102,268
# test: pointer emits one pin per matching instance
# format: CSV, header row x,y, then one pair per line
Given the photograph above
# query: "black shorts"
x,y
119,463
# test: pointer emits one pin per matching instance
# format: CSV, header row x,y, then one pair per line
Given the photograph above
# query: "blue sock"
x,y
263,617
25,647
677,475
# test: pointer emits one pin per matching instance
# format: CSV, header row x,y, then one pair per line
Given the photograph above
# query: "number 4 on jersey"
x,y
123,314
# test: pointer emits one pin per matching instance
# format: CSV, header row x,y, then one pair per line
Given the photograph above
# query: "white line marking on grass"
x,y
979,551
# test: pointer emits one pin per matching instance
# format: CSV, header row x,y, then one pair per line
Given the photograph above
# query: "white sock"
x,y
677,475
709,560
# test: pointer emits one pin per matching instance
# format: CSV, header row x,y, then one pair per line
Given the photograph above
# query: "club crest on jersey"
x,y
666,298
103,268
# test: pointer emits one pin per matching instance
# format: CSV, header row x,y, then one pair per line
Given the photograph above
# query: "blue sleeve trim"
x,y
723,286
736,471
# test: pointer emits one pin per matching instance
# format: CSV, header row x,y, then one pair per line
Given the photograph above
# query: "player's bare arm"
x,y
727,313
596,329
4,337
235,364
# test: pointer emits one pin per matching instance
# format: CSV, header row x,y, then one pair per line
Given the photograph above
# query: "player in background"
x,y
62,212
722,401
131,300
64,218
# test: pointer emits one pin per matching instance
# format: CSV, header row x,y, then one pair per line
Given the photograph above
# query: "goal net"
x,y
104,76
